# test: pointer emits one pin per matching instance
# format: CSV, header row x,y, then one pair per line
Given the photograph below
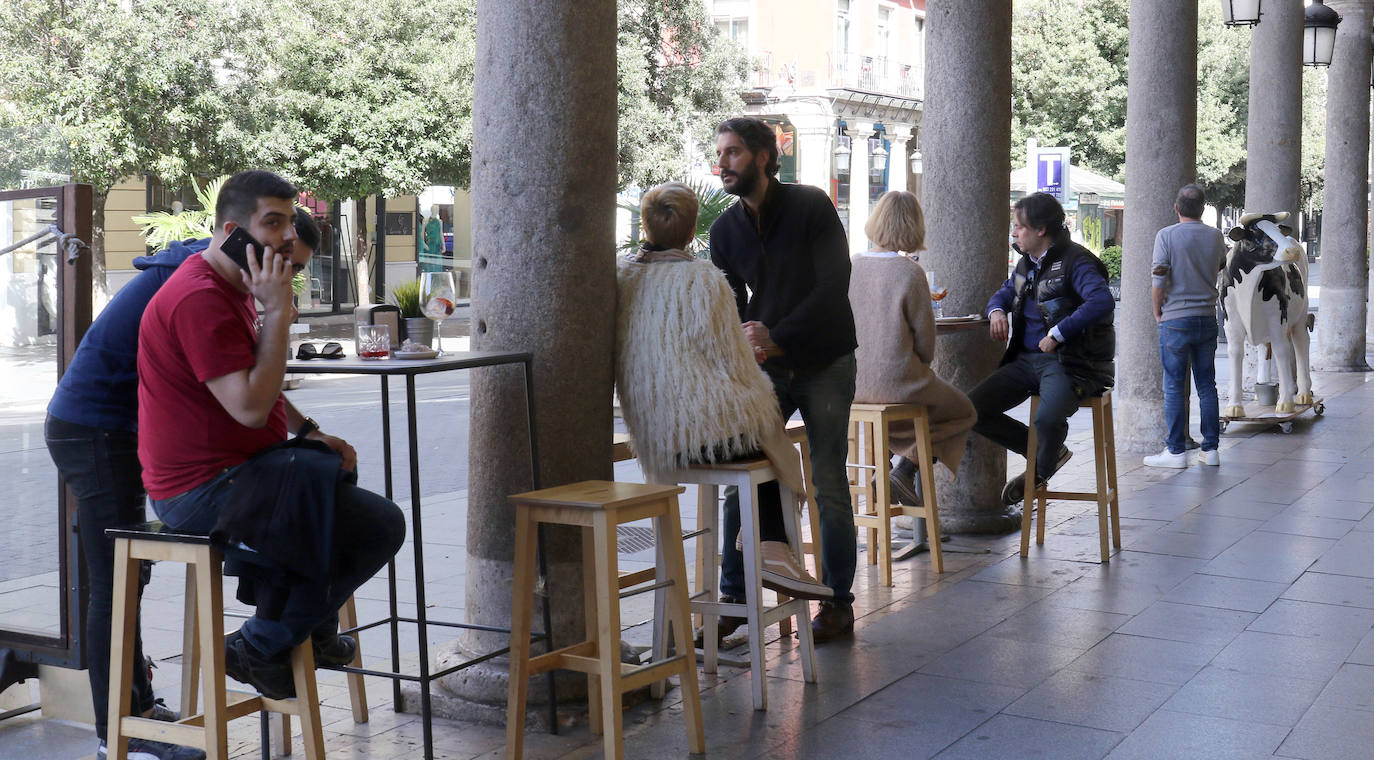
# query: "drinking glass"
x,y
374,341
438,294
936,295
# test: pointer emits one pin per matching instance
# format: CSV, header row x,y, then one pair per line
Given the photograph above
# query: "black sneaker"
x,y
162,712
904,489
243,663
1015,489
728,624
143,749
335,652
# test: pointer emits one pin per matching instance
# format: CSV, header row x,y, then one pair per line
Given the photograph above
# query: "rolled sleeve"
x,y
1161,261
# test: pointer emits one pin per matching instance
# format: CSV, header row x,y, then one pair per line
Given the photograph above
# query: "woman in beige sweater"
x,y
890,296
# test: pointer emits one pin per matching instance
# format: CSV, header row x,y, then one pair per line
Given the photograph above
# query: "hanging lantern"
x,y
1240,12
1319,34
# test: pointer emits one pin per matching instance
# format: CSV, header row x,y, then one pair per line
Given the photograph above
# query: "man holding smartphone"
x,y
213,439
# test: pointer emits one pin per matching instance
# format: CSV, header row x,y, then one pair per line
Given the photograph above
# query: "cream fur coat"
x,y
689,387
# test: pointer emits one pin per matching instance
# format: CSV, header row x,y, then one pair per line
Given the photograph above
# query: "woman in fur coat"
x,y
890,296
690,388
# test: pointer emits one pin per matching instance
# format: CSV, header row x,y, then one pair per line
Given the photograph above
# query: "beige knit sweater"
x,y
896,327
689,387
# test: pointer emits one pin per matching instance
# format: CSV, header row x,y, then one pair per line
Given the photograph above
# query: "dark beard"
x,y
745,182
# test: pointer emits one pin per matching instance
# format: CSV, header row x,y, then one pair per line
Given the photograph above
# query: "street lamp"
x,y
1240,12
1318,34
877,154
915,162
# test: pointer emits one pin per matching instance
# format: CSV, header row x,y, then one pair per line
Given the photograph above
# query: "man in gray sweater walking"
x,y
1187,258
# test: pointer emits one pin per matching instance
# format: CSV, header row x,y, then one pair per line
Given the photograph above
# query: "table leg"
x,y
421,622
546,612
394,624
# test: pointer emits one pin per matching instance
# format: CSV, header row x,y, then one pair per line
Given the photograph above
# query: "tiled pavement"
x,y
1237,622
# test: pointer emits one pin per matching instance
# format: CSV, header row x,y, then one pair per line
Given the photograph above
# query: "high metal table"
x,y
409,369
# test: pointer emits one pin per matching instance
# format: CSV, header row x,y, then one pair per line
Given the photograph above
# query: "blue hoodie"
x,y
100,387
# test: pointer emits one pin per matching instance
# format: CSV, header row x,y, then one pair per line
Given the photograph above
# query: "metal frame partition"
x,y
22,651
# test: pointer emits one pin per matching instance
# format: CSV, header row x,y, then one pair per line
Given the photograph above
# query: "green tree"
x,y
128,86
678,78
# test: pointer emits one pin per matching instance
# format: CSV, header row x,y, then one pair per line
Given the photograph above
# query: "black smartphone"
x,y
236,247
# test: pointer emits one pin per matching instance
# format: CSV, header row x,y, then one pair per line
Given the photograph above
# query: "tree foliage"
x,y
678,78
1069,73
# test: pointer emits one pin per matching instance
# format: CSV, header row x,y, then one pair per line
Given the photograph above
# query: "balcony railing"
x,y
877,74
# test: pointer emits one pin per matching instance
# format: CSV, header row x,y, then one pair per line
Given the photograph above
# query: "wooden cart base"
x,y
1265,413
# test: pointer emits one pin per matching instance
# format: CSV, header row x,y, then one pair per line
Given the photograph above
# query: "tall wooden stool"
x,y
281,728
796,432
746,475
209,729
598,506
869,467
1104,456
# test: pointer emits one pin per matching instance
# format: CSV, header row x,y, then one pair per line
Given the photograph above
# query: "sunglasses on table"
x,y
330,350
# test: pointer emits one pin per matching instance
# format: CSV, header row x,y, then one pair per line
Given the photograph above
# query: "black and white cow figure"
x,y
1264,298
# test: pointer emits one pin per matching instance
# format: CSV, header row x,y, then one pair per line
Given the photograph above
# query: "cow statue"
x,y
1264,300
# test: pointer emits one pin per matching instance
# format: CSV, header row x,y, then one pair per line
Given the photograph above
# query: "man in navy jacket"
x,y
1057,311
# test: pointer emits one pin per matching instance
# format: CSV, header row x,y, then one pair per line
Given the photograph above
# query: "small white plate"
x,y
955,320
430,354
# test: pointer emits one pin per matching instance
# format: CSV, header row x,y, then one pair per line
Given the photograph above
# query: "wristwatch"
x,y
307,427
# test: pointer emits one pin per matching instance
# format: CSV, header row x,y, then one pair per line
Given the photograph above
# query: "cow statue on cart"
x,y
1264,300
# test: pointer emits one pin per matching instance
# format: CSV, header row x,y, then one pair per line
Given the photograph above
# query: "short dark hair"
x,y
238,197
1042,211
306,230
756,136
1191,201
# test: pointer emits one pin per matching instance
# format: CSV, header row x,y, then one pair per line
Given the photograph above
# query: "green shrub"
x,y
406,297
1111,256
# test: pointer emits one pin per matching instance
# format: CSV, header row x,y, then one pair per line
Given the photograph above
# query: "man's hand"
x,y
998,326
1159,316
349,456
1048,344
760,341
270,283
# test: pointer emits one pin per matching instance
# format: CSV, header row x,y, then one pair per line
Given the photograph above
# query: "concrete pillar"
x,y
815,149
1161,153
1345,266
965,191
899,164
1274,143
543,282
859,132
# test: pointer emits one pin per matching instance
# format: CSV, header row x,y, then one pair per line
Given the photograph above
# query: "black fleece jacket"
x,y
794,262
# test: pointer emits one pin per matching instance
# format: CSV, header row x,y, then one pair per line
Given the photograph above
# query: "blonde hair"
x,y
897,223
668,213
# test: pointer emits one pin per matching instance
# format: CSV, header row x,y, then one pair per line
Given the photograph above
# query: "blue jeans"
x,y
368,531
101,467
823,396
1014,382
1185,342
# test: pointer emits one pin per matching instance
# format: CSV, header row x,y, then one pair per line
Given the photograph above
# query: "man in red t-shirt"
x,y
210,375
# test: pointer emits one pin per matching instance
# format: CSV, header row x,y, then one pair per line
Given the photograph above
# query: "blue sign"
x,y
1050,174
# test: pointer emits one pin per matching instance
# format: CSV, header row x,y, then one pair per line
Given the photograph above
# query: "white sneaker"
x,y
1166,459
782,573
1210,458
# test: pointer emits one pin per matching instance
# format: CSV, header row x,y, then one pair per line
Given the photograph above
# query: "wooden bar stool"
x,y
869,467
209,729
598,506
746,475
281,723
796,432
1104,456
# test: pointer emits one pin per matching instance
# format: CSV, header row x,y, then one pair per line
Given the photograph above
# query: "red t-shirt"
x,y
197,328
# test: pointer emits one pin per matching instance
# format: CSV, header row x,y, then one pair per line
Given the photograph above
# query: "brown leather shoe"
x,y
832,622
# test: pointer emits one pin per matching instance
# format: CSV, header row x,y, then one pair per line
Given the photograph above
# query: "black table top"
x,y
352,365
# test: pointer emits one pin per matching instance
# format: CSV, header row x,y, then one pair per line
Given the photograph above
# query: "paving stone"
x,y
1009,736
1054,624
1311,620
1352,555
1187,622
1351,688
1085,699
1343,590
1248,697
1143,658
1170,734
1330,733
1283,655
1226,593
992,659
1265,556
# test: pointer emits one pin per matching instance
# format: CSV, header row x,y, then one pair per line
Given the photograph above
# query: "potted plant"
x,y
417,327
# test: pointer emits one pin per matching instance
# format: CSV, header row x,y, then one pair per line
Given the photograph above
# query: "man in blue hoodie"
x,y
92,436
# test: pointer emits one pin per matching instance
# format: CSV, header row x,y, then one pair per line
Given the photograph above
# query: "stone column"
x,y
898,163
1344,264
543,182
1161,153
815,150
1274,143
965,194
859,132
